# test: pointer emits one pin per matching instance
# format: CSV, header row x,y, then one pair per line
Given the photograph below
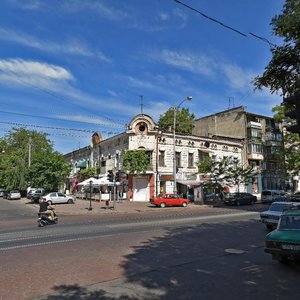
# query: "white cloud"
x,y
42,75
163,16
237,78
96,7
212,67
73,47
200,64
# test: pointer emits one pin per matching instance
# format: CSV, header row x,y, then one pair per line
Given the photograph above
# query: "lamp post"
x,y
90,207
174,137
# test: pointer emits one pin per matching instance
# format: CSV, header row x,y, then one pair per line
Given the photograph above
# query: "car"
x,y
36,195
13,195
30,192
271,216
56,197
169,200
295,197
2,192
284,242
269,196
239,199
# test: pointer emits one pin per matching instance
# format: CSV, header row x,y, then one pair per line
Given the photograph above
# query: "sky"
x,y
70,68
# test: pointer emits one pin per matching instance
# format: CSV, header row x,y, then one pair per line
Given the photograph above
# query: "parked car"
x,y
170,200
271,216
56,197
295,197
2,192
36,195
30,192
13,195
284,242
239,199
269,196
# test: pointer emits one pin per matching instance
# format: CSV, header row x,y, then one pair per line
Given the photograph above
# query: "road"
x,y
215,253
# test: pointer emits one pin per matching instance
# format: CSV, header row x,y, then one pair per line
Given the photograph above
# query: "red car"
x,y
170,200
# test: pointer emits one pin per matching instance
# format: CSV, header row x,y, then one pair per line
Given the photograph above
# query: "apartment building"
x,y
262,137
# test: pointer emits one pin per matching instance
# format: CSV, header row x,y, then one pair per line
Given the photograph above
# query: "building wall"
x,y
108,153
229,123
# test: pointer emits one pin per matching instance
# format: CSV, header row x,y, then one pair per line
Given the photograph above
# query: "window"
x,y
254,132
161,158
202,155
191,160
255,148
178,159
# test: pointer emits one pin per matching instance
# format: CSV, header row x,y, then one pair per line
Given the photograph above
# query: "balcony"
x,y
255,156
256,125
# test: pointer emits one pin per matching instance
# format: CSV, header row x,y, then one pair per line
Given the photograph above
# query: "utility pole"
x,y
29,151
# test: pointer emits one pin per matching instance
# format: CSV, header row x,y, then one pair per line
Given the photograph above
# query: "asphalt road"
x,y
212,254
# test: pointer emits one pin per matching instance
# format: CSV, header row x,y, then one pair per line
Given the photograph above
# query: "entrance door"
x,y
140,189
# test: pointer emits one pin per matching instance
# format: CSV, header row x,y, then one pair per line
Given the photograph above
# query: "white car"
x,y
56,197
271,216
13,195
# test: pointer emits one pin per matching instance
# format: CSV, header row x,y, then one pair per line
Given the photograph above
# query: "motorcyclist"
x,y
46,208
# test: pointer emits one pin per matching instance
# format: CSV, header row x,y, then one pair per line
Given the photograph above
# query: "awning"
x,y
83,164
190,182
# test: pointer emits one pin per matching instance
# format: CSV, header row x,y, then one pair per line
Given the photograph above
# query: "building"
x,y
143,134
263,139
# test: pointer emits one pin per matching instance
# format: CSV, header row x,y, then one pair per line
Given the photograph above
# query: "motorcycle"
x,y
44,219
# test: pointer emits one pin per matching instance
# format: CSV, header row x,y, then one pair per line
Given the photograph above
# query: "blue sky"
x,y
73,67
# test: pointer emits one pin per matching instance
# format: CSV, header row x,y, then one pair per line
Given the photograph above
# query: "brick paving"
x,y
81,207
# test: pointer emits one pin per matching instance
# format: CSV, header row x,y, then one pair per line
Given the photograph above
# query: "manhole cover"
x,y
234,251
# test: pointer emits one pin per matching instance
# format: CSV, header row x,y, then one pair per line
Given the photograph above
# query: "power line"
x,y
210,18
224,25
61,119
47,127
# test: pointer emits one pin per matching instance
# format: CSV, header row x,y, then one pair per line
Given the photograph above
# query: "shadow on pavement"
x,y
216,261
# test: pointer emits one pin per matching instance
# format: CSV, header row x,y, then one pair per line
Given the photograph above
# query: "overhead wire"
x,y
224,25
49,92
115,125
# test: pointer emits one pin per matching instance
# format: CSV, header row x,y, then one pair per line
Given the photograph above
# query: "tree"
x,y
135,161
283,71
184,120
238,174
227,171
28,158
291,141
89,172
282,75
48,170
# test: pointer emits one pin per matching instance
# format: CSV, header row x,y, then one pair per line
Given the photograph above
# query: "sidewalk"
x,y
81,207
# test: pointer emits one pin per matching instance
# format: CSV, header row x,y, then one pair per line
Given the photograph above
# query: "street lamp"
x,y
90,207
174,136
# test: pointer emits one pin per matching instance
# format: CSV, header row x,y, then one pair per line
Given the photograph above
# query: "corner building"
x,y
143,134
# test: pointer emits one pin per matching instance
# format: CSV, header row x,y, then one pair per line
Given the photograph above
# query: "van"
x,y
269,196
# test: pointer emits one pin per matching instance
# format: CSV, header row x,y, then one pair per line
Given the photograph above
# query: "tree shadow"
x,y
207,261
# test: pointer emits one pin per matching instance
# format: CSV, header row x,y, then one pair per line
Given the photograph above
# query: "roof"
x,y
294,211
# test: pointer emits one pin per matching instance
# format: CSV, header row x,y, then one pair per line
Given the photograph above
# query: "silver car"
x,y
14,195
56,197
271,216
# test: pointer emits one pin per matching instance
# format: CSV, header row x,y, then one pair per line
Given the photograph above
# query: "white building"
x,y
142,133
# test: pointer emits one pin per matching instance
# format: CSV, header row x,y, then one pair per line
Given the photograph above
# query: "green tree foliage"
x,y
238,174
184,120
282,74
27,158
135,162
283,71
48,170
225,172
87,173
